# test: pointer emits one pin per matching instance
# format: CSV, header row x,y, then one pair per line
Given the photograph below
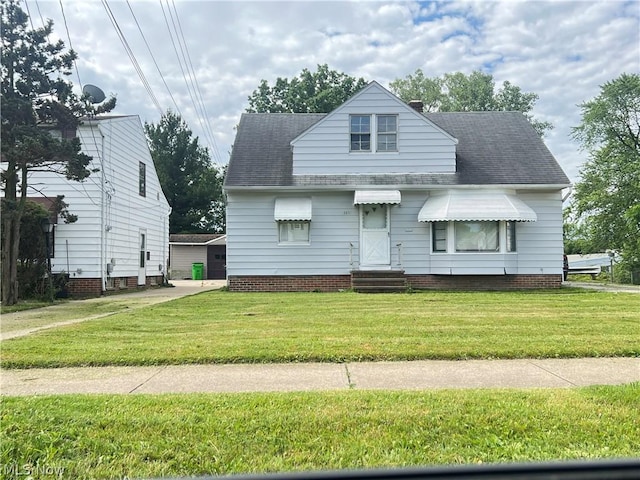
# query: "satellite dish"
x,y
94,93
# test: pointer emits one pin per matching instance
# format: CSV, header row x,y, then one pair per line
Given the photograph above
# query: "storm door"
x,y
375,251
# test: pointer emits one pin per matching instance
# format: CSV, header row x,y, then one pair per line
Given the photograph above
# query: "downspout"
x,y
103,240
165,249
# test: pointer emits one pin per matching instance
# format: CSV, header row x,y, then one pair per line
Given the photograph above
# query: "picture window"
x,y
294,232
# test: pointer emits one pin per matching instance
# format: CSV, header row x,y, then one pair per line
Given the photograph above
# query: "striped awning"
x,y
292,209
362,197
476,206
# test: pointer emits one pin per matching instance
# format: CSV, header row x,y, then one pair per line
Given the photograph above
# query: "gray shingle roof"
x,y
495,148
499,148
261,152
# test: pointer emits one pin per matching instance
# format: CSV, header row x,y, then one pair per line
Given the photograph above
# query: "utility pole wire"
x,y
187,75
132,56
154,59
215,152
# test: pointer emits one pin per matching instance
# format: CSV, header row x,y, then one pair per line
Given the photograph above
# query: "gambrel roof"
x,y
494,148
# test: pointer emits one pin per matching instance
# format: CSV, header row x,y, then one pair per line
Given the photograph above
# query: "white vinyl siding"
x,y
421,146
253,249
252,236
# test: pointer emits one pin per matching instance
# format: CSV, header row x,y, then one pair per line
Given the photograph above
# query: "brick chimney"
x,y
417,105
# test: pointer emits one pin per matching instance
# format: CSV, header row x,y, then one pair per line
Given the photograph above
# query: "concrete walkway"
x,y
431,374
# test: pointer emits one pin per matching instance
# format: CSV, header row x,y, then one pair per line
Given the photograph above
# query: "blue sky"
x,y
561,50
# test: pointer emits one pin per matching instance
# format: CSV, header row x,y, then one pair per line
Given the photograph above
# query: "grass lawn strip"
x,y
177,435
223,327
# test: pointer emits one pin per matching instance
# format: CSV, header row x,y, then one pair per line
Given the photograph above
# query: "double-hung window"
x,y
387,138
511,236
360,130
439,232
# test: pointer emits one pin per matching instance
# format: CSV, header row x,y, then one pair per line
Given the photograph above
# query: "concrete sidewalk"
x,y
430,374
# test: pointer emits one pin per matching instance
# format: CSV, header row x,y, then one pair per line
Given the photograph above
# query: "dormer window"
x,y
387,140
385,128
360,130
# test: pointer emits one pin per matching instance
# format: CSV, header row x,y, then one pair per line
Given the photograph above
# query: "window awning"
x,y
476,206
376,196
292,209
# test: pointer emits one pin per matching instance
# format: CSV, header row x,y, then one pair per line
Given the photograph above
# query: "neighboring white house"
x,y
121,237
378,193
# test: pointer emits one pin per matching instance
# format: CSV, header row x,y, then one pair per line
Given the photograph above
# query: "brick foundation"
x,y
333,283
294,283
85,287
92,287
483,282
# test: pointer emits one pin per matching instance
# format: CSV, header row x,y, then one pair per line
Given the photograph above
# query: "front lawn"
x,y
143,436
224,327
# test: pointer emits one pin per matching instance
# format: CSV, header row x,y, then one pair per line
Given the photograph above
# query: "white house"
x,y
121,237
377,195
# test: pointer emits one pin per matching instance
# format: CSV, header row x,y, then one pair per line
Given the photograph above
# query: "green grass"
x,y
176,435
223,327
29,304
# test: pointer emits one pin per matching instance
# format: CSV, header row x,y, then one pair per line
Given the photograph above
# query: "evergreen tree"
x,y
192,185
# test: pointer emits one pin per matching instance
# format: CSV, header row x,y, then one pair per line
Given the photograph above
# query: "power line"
x,y
187,76
39,12
26,4
197,89
132,56
153,58
75,64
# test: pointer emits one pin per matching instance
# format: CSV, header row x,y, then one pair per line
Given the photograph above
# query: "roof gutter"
x,y
351,187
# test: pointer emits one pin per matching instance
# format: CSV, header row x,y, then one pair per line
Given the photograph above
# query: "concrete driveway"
x,y
23,323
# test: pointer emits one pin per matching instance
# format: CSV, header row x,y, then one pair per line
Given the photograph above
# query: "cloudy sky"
x,y
561,50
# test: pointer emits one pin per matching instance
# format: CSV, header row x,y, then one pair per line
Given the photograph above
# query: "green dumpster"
x,y
197,269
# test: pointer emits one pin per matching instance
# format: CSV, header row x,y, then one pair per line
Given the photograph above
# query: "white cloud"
x,y
561,50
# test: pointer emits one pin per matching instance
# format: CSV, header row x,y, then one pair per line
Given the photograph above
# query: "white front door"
x,y
142,265
375,246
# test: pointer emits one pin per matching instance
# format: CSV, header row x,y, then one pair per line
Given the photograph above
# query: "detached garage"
x,y
210,249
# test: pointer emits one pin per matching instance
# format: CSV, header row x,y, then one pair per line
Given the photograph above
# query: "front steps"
x,y
378,281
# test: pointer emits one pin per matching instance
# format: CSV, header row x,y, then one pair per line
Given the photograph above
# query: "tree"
x,y
607,196
457,92
318,92
193,185
34,95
